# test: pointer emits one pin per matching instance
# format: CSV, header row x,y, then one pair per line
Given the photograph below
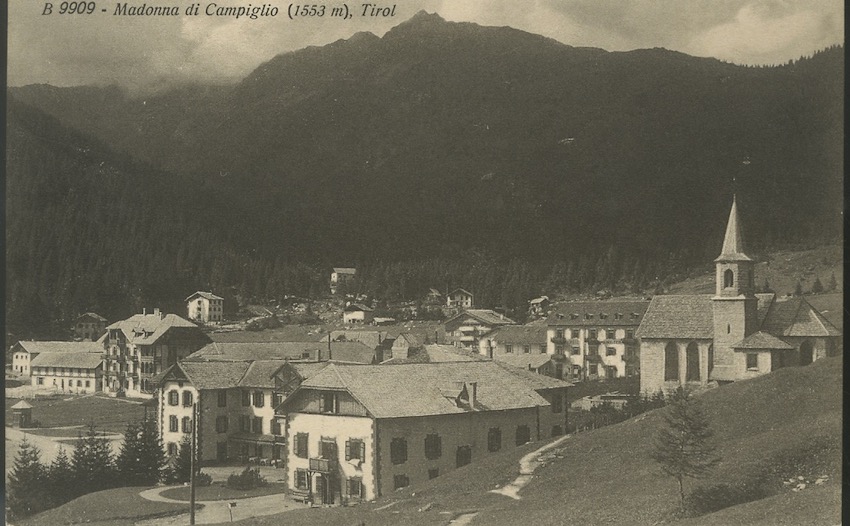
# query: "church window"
x,y
728,278
671,362
692,357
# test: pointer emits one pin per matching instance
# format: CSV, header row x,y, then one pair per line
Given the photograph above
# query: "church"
x,y
705,340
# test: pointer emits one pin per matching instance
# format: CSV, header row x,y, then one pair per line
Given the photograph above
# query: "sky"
x,y
143,53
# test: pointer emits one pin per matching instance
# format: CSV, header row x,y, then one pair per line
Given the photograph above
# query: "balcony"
x,y
559,340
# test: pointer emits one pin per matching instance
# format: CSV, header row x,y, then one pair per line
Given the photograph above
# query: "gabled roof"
x,y
485,316
209,375
462,291
685,316
535,380
260,373
22,404
761,340
205,295
146,329
94,315
519,334
411,339
357,307
733,241
617,313
796,317
541,299
412,390
345,270
524,360
78,360
35,348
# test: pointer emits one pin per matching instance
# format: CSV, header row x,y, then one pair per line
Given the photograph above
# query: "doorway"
x,y
806,353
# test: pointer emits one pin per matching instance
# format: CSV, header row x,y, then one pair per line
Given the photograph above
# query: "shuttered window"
x,y
355,449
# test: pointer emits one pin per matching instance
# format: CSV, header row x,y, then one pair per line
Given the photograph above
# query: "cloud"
x,y
771,32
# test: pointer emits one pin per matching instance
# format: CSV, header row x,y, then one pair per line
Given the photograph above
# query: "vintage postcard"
x,y
424,262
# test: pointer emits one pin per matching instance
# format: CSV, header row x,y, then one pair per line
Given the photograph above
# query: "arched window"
x,y
671,362
728,278
692,358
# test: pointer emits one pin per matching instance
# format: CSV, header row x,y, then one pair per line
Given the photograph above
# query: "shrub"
x,y
248,479
203,479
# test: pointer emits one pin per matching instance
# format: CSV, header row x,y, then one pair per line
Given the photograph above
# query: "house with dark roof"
x,y
205,307
523,346
459,299
89,326
357,432
704,339
466,328
24,352
68,372
343,351
597,338
144,345
356,313
538,306
341,276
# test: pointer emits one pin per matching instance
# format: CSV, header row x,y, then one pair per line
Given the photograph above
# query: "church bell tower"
x,y
735,305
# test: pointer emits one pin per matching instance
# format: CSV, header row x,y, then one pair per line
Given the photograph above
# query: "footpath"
x,y
217,511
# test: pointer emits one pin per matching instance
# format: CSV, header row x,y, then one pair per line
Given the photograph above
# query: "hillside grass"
x,y
119,507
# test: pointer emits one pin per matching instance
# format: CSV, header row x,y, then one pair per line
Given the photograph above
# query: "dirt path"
x,y
527,465
216,511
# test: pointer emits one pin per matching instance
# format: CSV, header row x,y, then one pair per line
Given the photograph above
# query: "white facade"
x,y
66,379
205,307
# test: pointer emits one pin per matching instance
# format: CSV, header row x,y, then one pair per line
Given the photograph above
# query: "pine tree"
x,y
832,284
25,489
182,467
61,479
142,459
798,289
682,444
817,286
92,463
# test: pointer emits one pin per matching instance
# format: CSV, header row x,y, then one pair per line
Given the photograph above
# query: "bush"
x,y
248,479
203,479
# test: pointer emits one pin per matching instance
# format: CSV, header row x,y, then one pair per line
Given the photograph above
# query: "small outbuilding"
x,y
22,412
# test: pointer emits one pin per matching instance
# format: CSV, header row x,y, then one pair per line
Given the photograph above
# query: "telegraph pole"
x,y
192,463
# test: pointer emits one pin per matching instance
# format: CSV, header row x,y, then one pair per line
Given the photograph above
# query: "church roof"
x,y
760,341
733,242
796,317
678,316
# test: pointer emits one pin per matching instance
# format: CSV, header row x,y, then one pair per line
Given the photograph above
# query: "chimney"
x,y
473,396
144,311
157,313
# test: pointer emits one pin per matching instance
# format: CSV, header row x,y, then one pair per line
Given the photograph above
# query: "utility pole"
x,y
192,463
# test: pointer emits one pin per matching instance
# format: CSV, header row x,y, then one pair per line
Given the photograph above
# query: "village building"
x,y
89,326
145,345
703,340
538,306
205,307
357,314
357,432
24,352
341,276
234,403
68,372
466,328
459,299
598,338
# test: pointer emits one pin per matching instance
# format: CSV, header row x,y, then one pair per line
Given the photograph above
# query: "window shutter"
x,y
348,449
362,451
321,403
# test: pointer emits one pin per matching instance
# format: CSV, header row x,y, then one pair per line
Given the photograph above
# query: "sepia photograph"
x,y
424,262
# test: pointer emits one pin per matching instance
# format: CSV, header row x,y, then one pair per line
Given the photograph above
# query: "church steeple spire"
x,y
733,242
